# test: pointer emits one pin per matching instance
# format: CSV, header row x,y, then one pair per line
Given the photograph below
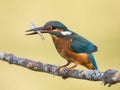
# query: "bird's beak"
x,y
36,30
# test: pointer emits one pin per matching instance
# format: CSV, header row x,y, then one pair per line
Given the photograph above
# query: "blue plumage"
x,y
92,60
82,45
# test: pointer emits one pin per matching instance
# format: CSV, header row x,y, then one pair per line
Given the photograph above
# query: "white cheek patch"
x,y
66,33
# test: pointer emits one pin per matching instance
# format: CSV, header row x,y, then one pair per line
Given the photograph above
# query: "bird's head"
x,y
51,27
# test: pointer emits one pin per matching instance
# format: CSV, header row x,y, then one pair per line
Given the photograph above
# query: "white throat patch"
x,y
66,33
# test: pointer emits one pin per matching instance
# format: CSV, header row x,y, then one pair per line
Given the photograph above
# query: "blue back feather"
x,y
81,45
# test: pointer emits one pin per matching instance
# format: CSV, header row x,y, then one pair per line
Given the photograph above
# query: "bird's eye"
x,y
53,27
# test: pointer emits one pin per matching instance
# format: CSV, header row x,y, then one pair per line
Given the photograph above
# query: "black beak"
x,y
36,30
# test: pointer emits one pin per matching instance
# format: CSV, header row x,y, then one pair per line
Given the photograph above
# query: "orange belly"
x,y
64,50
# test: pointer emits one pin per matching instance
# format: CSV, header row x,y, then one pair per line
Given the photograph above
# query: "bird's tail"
x,y
92,60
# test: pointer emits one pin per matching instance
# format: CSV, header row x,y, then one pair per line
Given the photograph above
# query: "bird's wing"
x,y
82,45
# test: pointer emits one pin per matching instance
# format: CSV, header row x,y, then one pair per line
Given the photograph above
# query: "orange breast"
x,y
62,46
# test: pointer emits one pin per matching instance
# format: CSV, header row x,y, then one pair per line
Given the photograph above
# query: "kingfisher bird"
x,y
71,46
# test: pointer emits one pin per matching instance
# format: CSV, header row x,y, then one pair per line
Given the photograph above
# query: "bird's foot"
x,y
64,70
65,73
57,69
60,68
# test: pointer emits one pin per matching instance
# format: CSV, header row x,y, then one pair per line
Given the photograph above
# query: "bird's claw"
x,y
65,72
58,69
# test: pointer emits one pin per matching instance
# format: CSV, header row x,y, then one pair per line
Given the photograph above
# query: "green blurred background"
x,y
97,20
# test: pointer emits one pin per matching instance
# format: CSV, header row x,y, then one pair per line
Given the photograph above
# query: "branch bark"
x,y
109,77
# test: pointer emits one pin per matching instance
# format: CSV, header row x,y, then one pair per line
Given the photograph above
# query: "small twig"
x,y
109,77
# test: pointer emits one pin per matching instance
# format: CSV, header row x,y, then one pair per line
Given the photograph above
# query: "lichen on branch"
x,y
109,77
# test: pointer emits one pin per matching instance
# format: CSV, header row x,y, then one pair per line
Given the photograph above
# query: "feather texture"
x,y
82,45
92,60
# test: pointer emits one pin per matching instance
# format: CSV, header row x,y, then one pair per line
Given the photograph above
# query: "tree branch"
x,y
109,77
